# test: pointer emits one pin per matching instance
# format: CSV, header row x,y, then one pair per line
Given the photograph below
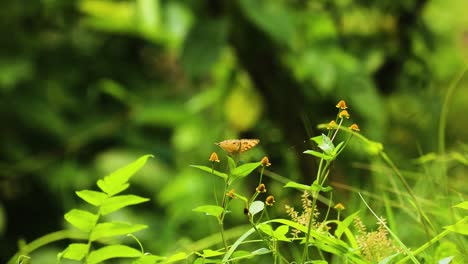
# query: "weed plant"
x,y
304,235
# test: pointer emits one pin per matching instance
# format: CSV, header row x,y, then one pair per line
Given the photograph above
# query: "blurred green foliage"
x,y
87,86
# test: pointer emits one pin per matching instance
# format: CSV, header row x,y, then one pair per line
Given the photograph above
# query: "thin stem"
x,y
47,239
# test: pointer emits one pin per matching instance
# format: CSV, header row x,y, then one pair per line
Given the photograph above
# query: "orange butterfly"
x,y
238,145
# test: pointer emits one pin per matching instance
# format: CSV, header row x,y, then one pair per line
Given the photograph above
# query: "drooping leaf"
x,y
117,202
316,187
92,197
213,210
256,207
114,229
83,220
117,181
211,171
76,251
112,251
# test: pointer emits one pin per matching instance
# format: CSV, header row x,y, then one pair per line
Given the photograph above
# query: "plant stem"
x,y
47,239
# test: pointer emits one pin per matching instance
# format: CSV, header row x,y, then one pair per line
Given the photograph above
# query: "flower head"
x,y
342,105
332,125
339,207
354,127
214,157
344,113
261,188
270,200
265,161
231,194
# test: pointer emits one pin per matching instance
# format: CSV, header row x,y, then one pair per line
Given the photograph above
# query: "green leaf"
x,y
83,220
112,251
295,185
213,210
460,228
114,229
176,257
318,154
280,233
117,181
463,205
211,171
260,251
117,202
245,169
318,188
92,197
148,259
208,253
231,164
256,207
76,251
325,144
267,229
343,225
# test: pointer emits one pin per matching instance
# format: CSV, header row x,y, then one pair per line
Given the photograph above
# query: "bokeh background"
x,y
87,86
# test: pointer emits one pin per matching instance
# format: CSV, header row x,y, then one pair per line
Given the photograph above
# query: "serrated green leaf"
x,y
116,182
463,205
212,210
114,229
83,220
256,207
318,154
76,251
295,185
211,171
92,197
245,169
460,228
112,251
117,202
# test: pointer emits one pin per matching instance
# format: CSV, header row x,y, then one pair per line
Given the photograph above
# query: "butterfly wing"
x,y
246,144
230,145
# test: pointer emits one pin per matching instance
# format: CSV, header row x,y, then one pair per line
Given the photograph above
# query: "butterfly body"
x,y
238,145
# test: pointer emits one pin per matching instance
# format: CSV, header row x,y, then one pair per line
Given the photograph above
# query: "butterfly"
x,y
238,145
